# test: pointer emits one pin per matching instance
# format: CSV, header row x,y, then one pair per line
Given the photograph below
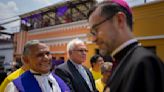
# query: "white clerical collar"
x,y
34,72
122,46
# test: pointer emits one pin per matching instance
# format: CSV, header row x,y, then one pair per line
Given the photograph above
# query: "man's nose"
x,y
84,52
46,57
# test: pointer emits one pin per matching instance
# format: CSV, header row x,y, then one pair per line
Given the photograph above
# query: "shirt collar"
x,y
39,74
75,64
123,46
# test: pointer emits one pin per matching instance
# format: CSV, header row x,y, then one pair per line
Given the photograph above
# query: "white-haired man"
x,y
77,77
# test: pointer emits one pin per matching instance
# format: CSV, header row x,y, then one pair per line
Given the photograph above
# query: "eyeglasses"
x,y
93,29
81,50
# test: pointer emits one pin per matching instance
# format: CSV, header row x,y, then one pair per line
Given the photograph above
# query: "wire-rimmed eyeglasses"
x,y
94,30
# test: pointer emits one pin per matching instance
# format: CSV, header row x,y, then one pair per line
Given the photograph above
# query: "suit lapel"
x,y
119,72
117,75
76,73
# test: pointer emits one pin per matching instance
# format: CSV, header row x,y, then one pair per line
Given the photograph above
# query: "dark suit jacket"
x,y
73,78
138,71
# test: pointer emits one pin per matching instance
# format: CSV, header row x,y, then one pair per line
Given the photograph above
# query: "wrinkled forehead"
x,y
79,45
39,48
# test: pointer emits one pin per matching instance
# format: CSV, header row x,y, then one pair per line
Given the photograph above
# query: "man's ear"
x,y
25,59
121,19
70,52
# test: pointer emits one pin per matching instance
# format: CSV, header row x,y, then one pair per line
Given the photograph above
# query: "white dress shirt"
x,y
42,81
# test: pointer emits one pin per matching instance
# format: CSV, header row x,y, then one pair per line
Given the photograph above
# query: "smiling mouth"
x,y
45,65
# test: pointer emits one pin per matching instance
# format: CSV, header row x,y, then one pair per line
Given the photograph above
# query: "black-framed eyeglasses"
x,y
81,50
94,30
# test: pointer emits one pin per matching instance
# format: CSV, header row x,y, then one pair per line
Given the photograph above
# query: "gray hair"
x,y
72,43
26,49
106,66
